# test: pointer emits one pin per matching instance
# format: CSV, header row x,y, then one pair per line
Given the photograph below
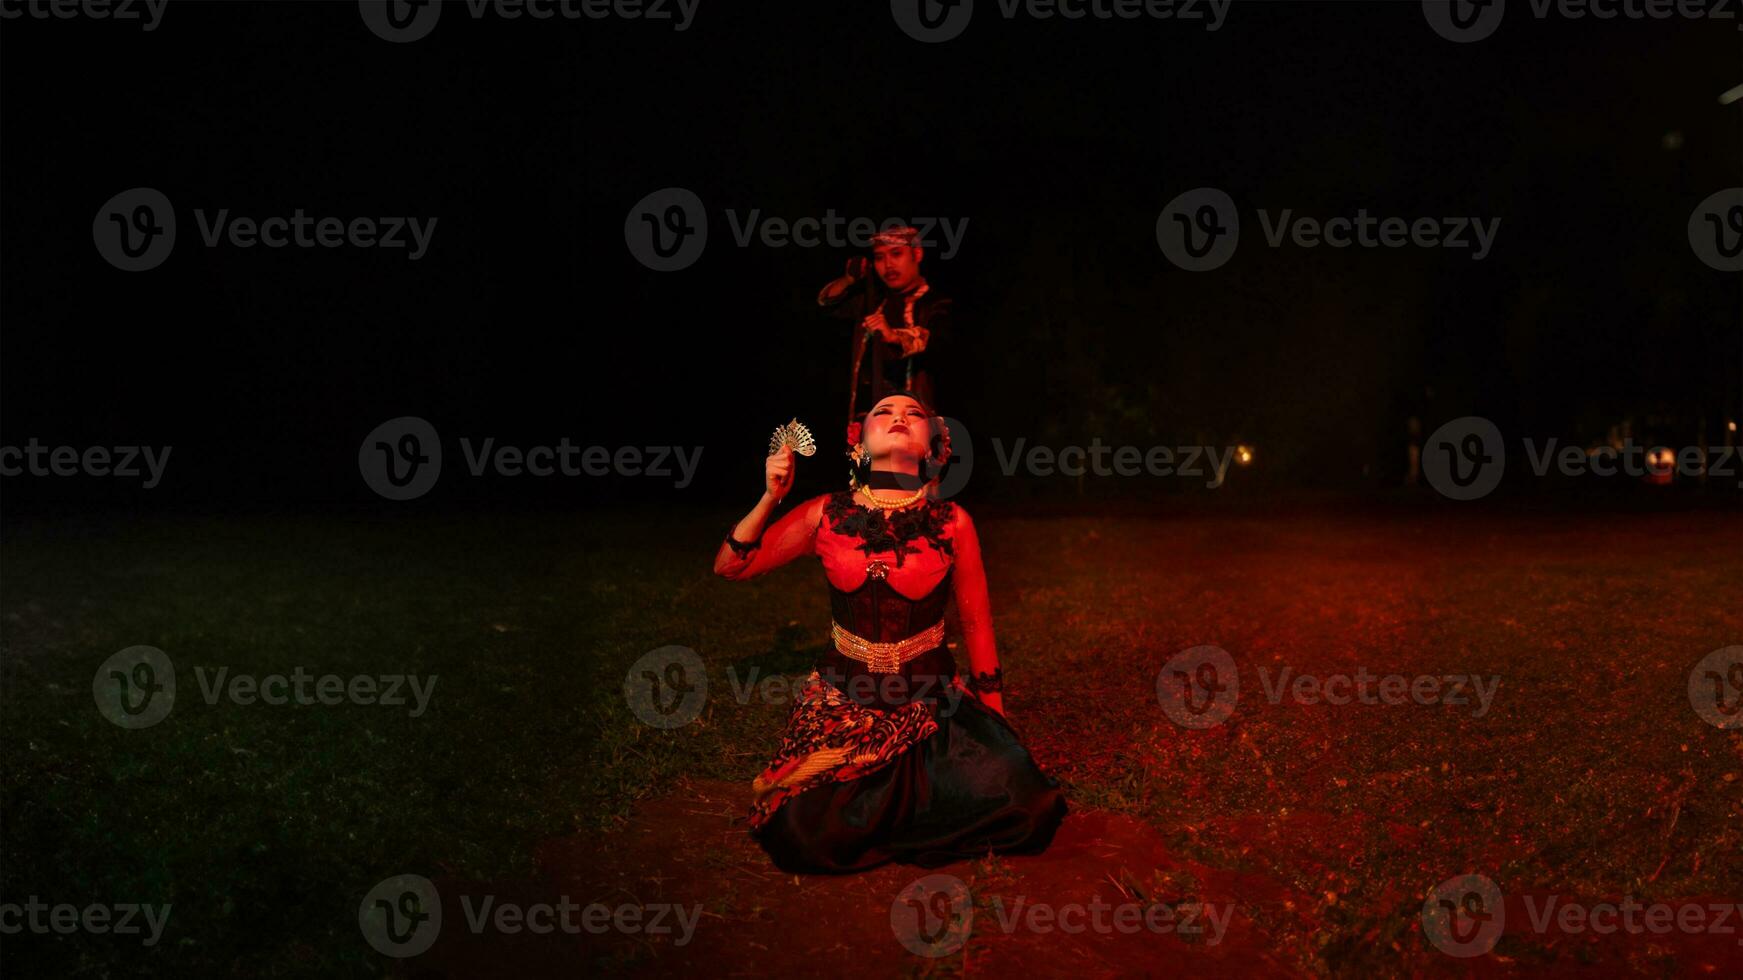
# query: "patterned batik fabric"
x,y
831,738
911,336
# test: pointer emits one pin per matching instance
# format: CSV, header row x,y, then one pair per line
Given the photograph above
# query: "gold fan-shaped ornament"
x,y
793,434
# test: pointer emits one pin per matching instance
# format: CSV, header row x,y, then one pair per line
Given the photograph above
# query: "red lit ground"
x,y
1321,828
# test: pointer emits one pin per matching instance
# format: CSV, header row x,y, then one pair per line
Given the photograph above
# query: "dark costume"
x,y
921,318
882,759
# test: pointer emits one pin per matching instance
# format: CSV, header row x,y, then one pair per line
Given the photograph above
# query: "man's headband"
x,y
897,236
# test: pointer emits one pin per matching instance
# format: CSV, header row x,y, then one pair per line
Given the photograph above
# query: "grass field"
x,y
1590,776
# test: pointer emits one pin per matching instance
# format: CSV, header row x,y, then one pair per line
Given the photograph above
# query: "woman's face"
x,y
898,428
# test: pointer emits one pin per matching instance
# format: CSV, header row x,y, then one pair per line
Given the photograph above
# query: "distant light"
x,y
1732,426
1673,140
1731,95
1244,454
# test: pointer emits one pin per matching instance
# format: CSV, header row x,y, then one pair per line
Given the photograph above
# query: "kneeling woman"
x,y
888,755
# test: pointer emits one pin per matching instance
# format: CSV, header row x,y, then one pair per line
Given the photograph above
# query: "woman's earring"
x,y
856,460
940,456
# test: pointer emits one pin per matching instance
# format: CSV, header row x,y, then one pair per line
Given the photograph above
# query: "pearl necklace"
x,y
885,504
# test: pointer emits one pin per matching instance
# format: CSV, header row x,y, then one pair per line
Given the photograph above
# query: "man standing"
x,y
898,319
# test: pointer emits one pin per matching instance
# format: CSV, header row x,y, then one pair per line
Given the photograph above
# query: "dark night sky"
x,y
529,320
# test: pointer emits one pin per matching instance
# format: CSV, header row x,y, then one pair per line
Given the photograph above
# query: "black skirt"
x,y
968,789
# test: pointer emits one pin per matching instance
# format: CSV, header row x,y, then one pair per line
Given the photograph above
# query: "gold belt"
x,y
886,658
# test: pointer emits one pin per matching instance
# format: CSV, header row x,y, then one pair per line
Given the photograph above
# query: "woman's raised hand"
x,y
778,474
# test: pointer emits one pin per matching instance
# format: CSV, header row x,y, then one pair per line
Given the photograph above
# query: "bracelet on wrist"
x,y
740,548
992,682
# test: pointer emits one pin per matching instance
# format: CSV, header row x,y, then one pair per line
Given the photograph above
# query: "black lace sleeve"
x,y
741,549
987,683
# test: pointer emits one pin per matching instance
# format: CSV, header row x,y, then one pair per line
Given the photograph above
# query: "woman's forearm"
x,y
985,678
751,527
747,531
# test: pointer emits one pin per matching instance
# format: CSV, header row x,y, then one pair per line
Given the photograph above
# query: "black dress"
x,y
896,766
